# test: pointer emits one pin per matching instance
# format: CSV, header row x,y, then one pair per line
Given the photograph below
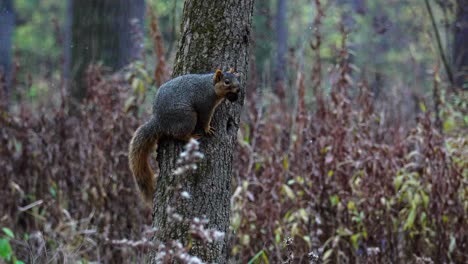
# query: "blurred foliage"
x,y
37,53
38,43
394,42
34,37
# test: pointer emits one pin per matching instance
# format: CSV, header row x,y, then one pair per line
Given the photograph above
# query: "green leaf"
x,y
423,107
425,199
398,181
410,220
129,103
256,258
245,185
128,76
53,192
258,166
453,244
285,163
295,230
307,240
236,221
445,219
449,124
327,254
245,240
8,232
135,84
416,199
334,199
141,87
144,74
304,215
277,238
5,249
289,192
300,180
344,232
423,219
265,258
355,240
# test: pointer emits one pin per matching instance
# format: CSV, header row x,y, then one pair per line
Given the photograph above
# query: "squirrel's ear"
x,y
218,76
231,70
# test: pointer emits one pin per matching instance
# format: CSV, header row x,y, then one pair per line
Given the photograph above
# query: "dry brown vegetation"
x,y
342,182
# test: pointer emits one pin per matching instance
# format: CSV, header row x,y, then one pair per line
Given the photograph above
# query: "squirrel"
x,y
183,107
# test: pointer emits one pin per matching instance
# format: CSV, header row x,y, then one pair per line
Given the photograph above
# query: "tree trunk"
x,y
263,37
460,46
7,23
101,32
215,34
281,48
359,6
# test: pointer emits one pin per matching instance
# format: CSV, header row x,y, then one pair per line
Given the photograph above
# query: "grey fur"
x,y
182,105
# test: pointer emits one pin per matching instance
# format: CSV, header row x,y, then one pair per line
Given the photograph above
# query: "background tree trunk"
x,y
101,31
262,36
360,6
7,24
460,46
215,34
281,48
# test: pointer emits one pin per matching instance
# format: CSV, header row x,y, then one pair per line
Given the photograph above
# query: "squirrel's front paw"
x,y
210,130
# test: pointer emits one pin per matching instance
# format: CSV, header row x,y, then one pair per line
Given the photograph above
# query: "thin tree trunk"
x,y
263,37
101,32
215,34
7,24
460,46
281,48
360,6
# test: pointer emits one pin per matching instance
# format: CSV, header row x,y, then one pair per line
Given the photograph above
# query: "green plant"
x,y
6,252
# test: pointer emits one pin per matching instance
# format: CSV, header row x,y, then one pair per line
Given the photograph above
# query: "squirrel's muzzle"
x,y
233,96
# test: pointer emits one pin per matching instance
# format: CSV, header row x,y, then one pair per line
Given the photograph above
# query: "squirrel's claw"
x,y
210,130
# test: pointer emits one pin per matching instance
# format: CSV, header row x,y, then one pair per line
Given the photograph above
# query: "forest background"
x,y
352,145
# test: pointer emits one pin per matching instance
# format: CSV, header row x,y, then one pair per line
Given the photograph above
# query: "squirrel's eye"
x,y
227,82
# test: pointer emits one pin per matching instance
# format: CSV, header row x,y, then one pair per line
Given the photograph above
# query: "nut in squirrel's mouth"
x,y
232,96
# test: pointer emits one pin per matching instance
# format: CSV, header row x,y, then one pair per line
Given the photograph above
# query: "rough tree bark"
x,y
101,32
215,34
7,24
460,46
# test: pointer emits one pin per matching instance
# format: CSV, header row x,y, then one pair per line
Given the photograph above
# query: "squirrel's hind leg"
x,y
182,126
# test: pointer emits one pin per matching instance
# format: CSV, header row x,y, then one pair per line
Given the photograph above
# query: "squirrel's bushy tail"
x,y
140,149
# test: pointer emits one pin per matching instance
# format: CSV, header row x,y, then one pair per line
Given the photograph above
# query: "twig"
x,y
29,206
439,44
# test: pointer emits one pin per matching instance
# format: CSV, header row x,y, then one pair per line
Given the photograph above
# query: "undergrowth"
x,y
341,184
346,185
